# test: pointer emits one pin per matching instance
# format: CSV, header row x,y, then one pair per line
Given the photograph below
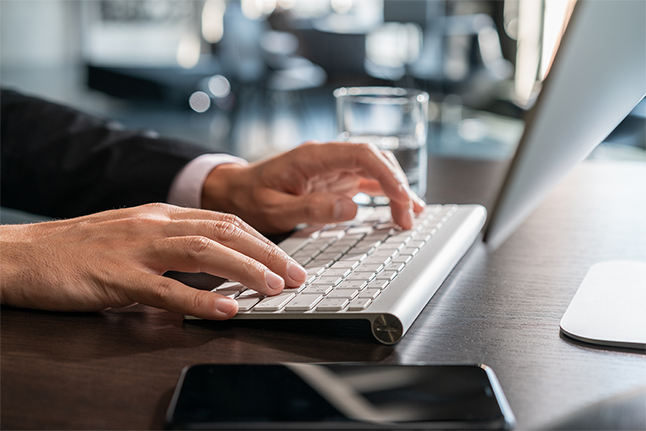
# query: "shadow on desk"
x,y
79,337
623,412
602,348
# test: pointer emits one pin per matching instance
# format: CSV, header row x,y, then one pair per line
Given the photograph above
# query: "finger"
x,y
217,219
171,295
402,213
313,208
162,213
365,159
235,237
370,187
200,254
418,203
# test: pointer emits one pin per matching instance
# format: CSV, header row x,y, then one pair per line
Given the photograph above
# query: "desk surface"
x,y
117,369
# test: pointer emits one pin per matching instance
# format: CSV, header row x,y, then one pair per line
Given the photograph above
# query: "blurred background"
x,y
254,77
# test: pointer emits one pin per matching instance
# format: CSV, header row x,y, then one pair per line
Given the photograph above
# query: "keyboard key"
x,y
246,303
359,304
380,254
317,288
399,268
371,266
363,276
332,304
347,241
313,269
329,281
379,235
303,302
311,249
389,245
230,292
417,243
274,303
389,274
353,284
229,289
402,258
323,263
370,293
335,272
333,233
345,264
379,283
302,258
343,293
332,256
355,256
310,278
359,231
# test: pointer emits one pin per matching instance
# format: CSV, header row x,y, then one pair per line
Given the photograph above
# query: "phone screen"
x,y
338,396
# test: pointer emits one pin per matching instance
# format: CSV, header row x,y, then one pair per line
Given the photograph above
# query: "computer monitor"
x,y
598,76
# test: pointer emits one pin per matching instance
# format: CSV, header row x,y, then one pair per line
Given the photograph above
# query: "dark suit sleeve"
x,y
60,162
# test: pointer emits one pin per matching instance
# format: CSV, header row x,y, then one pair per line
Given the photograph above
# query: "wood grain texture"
x,y
117,369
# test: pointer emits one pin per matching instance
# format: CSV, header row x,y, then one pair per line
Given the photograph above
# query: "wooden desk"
x,y
117,369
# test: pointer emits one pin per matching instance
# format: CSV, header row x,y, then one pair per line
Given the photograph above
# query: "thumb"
x,y
317,208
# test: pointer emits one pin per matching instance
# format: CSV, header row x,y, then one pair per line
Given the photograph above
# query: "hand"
x,y
117,258
313,183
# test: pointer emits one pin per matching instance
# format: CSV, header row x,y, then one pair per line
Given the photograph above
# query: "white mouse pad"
x,y
610,306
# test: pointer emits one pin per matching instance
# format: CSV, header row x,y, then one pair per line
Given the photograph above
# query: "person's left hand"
x,y
313,183
117,258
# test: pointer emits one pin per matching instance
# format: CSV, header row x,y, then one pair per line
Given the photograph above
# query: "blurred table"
x,y
117,369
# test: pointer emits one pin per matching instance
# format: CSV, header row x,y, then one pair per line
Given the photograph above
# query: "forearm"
x,y
63,163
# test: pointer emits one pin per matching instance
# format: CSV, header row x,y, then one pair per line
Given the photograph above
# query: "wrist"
x,y
14,259
218,190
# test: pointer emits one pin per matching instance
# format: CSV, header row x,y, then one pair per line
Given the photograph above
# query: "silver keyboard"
x,y
368,268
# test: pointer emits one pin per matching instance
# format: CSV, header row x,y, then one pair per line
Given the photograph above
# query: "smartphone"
x,y
338,396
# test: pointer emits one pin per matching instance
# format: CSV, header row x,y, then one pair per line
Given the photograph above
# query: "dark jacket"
x,y
59,162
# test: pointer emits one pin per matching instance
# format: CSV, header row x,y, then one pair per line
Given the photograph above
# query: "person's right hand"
x,y
313,183
117,258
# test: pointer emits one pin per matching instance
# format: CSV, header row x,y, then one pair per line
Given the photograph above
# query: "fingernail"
x,y
344,209
226,305
274,281
420,201
296,272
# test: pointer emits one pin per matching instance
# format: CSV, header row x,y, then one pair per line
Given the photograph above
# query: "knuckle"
x,y
226,232
161,291
197,245
274,254
142,221
198,302
147,216
156,207
232,219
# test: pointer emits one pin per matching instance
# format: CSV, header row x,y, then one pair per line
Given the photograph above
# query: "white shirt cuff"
x,y
186,189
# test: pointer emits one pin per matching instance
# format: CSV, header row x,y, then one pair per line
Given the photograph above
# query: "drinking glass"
x,y
394,119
